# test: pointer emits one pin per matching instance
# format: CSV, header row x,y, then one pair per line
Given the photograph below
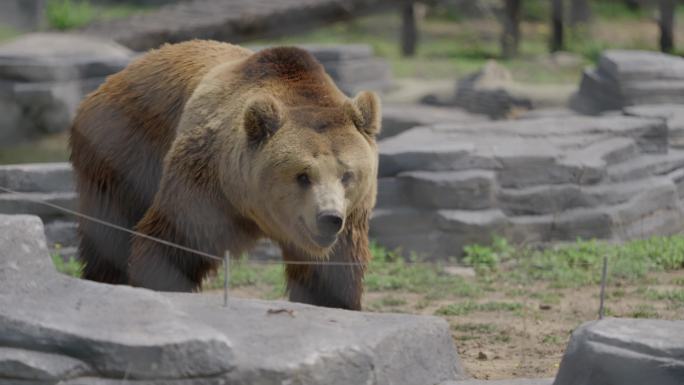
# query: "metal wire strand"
x,y
217,258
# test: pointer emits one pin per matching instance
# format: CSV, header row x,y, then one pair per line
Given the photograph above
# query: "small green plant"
x,y
551,339
68,14
486,258
71,267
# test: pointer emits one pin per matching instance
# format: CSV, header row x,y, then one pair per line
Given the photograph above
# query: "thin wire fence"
x,y
227,260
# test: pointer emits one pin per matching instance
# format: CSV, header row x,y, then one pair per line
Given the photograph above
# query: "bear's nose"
x,y
329,222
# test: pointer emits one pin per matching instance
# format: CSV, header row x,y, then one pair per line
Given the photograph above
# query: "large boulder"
x,y
43,77
625,78
536,180
490,92
624,352
56,328
673,114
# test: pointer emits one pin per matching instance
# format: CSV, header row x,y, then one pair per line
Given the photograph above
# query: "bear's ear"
x,y
364,111
262,118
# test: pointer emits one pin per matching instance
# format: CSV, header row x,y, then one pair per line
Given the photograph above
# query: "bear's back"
x,y
123,130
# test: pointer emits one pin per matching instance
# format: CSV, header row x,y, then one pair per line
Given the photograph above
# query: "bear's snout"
x,y
329,223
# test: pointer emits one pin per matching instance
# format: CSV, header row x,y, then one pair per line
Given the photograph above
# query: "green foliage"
x,y
536,10
68,14
617,10
486,258
581,262
72,267
118,11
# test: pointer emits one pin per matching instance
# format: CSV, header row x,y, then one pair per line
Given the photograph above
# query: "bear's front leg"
x,y
333,285
187,212
157,266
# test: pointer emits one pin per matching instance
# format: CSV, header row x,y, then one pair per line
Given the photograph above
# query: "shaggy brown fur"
x,y
201,144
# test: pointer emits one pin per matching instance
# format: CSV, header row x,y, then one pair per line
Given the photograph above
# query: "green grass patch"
x,y
644,311
675,296
467,307
72,14
7,33
68,14
388,271
487,258
580,263
387,302
547,297
474,328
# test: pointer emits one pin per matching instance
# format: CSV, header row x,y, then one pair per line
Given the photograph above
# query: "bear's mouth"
x,y
322,241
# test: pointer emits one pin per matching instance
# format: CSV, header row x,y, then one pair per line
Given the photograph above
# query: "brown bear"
x,y
212,146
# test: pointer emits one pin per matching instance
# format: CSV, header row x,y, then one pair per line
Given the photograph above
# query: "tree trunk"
x,y
557,25
409,31
666,23
580,12
510,35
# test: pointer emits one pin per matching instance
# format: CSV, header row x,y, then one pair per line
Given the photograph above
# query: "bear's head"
x,y
312,167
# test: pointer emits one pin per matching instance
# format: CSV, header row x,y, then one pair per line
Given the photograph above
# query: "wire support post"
x,y
604,274
226,277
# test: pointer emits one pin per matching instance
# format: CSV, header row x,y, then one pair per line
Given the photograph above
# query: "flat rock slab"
x,y
234,21
42,57
673,114
90,333
625,78
625,352
517,381
536,180
399,117
37,177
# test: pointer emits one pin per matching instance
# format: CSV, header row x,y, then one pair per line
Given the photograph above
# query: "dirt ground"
x,y
524,331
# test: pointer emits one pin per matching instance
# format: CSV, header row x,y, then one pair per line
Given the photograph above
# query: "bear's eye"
x,y
303,180
347,177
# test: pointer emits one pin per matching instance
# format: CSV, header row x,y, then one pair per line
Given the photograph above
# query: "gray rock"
x,y
130,335
37,177
534,180
673,114
625,352
397,118
472,189
625,78
339,52
488,92
629,65
517,381
30,203
390,193
32,365
49,57
45,75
